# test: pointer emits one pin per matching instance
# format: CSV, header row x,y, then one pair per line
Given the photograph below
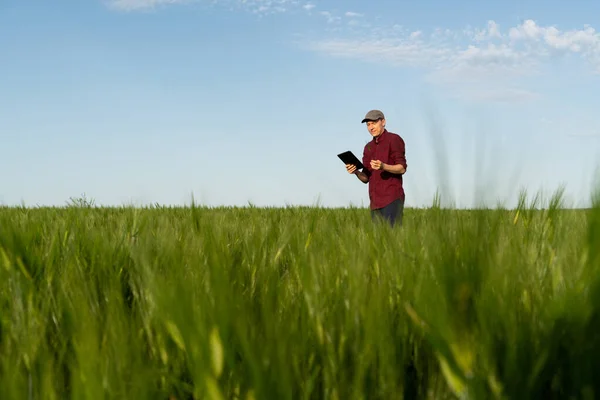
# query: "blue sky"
x,y
237,102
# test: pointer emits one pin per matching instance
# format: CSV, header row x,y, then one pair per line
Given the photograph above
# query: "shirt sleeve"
x,y
398,152
366,162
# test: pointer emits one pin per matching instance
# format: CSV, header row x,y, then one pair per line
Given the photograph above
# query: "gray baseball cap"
x,y
373,115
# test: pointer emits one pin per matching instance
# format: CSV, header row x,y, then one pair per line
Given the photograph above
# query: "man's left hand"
x,y
376,164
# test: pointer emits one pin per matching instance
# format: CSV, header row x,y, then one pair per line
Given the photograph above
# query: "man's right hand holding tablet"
x,y
351,168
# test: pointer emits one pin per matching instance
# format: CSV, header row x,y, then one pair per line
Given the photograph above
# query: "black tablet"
x,y
349,158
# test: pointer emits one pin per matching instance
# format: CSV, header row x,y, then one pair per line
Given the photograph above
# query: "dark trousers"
x,y
393,213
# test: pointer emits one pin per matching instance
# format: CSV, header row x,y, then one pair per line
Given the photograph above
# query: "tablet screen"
x,y
349,158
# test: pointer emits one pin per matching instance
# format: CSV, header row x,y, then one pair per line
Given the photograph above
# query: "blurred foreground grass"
x,y
298,303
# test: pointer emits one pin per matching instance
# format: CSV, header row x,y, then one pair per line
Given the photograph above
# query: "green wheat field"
x,y
299,303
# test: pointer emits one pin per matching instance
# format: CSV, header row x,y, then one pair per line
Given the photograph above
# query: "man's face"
x,y
376,128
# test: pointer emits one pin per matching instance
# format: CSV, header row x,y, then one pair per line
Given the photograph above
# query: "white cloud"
x,y
523,47
330,17
491,31
584,41
135,5
270,6
415,34
395,51
261,7
352,14
488,56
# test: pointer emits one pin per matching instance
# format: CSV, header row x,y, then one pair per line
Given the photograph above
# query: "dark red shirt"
x,y
384,187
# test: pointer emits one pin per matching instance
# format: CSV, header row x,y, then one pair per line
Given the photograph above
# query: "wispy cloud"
x,y
352,14
482,63
488,55
137,5
331,18
262,7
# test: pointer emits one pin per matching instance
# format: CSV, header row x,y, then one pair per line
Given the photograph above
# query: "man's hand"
x,y
351,168
376,164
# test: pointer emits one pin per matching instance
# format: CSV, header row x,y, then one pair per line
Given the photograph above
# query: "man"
x,y
385,164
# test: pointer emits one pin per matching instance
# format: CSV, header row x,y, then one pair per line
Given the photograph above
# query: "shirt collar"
x,y
381,137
